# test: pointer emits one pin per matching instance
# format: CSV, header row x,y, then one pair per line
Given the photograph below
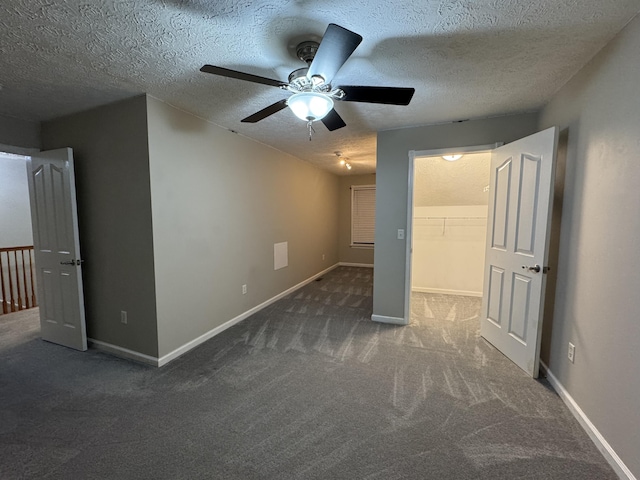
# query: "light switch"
x,y
401,234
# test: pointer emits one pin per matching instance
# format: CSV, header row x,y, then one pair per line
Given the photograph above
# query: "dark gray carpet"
x,y
308,388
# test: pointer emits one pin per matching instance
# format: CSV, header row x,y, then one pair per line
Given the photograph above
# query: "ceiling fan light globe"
x,y
310,106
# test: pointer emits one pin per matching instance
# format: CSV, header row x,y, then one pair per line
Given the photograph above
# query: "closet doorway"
x,y
518,216
449,223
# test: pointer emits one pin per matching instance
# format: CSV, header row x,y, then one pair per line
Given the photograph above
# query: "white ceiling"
x,y
438,182
466,59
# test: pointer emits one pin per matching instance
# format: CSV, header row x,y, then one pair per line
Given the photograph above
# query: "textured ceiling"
x,y
438,182
466,59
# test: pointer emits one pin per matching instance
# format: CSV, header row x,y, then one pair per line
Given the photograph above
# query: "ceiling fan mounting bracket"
x,y
306,51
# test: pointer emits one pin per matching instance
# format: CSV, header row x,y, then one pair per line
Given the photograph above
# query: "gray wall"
x,y
15,212
597,306
19,133
111,159
392,186
348,254
220,201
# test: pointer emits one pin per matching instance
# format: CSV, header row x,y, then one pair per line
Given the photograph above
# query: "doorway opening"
x,y
50,217
450,206
17,259
446,225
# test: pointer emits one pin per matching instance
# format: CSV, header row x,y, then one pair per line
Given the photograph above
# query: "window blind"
x,y
363,214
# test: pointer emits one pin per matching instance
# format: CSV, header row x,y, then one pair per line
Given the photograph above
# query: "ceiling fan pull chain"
x,y
311,129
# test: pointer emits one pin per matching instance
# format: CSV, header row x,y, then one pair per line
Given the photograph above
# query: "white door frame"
x,y
413,154
24,152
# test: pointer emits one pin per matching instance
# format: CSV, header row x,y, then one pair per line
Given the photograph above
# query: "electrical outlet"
x,y
123,317
572,352
244,289
323,256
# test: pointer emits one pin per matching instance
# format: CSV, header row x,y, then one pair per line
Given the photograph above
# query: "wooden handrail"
x,y
17,286
11,249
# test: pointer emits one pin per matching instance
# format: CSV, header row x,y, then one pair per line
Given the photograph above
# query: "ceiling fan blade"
x,y
336,47
265,112
333,121
225,72
386,95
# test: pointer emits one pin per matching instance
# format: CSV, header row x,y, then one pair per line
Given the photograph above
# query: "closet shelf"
x,y
445,222
449,218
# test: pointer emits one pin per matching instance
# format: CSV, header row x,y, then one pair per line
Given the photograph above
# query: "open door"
x,y
54,217
522,175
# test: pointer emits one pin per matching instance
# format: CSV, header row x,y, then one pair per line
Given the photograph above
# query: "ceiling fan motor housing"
x,y
299,79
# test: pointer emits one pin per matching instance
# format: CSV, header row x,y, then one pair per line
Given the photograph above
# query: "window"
x,y
363,215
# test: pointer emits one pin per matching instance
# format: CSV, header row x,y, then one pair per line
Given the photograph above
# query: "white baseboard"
x,y
221,328
124,352
347,264
444,291
596,437
391,320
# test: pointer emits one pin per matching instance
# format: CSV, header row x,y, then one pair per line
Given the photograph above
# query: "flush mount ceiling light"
x,y
452,158
310,106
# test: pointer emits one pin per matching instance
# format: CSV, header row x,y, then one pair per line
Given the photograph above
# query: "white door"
x,y
52,194
522,175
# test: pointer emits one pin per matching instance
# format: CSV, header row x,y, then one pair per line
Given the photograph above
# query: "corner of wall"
x,y
111,158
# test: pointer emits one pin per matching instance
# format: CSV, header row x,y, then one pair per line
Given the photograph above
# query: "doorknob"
x,y
72,262
535,268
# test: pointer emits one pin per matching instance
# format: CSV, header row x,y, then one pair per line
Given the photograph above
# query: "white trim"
x,y
390,320
221,328
25,152
446,151
596,437
408,252
363,265
124,352
446,291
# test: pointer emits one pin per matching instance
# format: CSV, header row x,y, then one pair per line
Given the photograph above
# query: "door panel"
x,y
57,248
494,297
529,186
519,316
522,175
501,205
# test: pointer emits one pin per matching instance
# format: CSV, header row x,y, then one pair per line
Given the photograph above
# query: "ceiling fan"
x,y
313,95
